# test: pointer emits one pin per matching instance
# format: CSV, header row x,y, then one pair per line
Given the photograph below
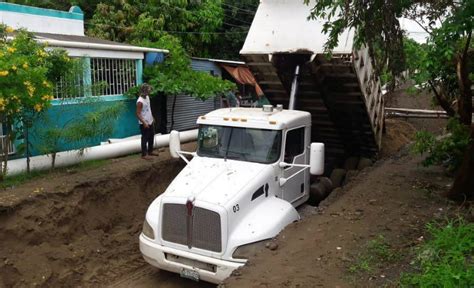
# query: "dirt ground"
x,y
80,228
422,100
394,200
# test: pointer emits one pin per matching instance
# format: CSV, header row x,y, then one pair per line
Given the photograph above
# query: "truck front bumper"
x,y
210,269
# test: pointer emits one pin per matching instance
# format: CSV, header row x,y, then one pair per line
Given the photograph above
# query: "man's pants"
x,y
148,137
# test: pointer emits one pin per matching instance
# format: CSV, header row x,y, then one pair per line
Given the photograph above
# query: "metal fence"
x,y
107,77
3,142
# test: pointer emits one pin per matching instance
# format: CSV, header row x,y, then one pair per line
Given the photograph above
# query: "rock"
x,y
272,246
236,273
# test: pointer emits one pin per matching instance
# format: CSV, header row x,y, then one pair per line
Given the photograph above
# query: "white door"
x,y
295,153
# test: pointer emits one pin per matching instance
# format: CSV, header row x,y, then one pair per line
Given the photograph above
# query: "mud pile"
x,y
82,234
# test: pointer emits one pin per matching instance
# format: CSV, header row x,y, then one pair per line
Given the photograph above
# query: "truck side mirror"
x,y
316,160
175,144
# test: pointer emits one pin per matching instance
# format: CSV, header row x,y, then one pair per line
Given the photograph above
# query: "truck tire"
x,y
337,177
351,163
319,191
364,163
327,184
350,175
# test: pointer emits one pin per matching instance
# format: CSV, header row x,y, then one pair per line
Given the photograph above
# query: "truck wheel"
x,y
337,177
351,163
316,194
364,163
319,191
327,183
350,175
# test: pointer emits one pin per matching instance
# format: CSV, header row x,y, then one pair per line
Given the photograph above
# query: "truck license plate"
x,y
190,274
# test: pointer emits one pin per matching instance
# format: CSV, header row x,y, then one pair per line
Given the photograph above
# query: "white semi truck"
x,y
252,166
251,169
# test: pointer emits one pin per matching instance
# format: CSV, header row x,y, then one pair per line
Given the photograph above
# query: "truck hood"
x,y
214,180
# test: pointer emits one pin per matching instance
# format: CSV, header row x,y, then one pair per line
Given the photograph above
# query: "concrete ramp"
x,y
341,92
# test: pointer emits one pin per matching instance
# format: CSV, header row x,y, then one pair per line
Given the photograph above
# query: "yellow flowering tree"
x,y
28,70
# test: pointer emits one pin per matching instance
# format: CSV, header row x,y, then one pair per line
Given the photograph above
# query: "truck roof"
x,y
256,118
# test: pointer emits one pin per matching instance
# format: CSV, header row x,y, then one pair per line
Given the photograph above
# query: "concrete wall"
x,y
43,20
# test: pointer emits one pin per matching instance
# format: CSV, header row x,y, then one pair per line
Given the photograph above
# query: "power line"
x,y
174,32
233,25
241,9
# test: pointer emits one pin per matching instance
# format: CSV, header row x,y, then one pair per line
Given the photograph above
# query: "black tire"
x,y
364,163
319,190
317,194
351,163
337,177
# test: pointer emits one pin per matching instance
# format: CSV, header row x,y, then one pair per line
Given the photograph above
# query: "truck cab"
x,y
251,169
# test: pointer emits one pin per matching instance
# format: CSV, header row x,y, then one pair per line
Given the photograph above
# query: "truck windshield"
x,y
245,144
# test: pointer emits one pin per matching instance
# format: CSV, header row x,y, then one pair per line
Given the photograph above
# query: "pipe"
x,y
72,44
294,89
67,158
116,140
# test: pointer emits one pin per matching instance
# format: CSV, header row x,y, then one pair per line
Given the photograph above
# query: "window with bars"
x,y
69,87
106,76
112,76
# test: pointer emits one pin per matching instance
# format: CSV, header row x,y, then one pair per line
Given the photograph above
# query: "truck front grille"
x,y
205,227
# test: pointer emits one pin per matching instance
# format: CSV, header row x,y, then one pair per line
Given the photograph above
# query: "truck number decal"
x,y
236,208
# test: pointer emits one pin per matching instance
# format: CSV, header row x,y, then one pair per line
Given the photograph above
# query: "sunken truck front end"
x,y
251,169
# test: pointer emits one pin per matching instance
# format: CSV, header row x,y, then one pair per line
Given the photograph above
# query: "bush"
x,y
446,259
448,151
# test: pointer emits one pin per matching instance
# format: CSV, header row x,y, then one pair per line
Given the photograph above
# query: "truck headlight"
x,y
245,251
147,230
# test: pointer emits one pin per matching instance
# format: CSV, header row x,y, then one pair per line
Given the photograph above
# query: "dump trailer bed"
x,y
341,92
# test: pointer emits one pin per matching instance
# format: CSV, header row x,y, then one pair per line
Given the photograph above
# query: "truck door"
x,y
294,153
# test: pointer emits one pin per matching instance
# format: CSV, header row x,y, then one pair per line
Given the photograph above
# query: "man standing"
x,y
145,119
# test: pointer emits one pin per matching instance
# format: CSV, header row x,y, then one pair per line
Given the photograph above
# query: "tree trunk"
x,y
53,160
442,99
465,93
27,140
463,187
5,155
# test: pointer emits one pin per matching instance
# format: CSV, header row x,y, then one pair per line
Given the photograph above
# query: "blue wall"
x,y
127,125
60,114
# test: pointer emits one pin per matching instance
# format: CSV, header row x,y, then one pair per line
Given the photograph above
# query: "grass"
x,y
26,177
446,259
378,251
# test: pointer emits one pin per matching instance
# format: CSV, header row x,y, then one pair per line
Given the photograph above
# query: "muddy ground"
x,y
80,228
76,228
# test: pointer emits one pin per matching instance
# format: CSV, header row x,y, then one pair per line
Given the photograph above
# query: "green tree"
x,y
447,67
27,71
193,22
175,77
